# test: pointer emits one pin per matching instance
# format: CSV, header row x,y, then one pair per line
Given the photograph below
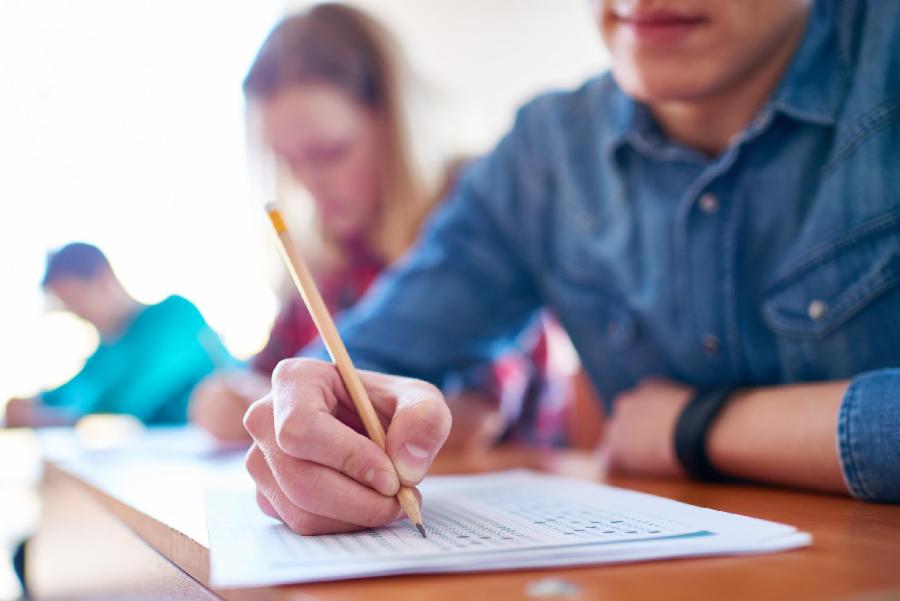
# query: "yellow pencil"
x,y
328,331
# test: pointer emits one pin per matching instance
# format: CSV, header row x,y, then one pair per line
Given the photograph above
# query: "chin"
x,y
342,233
657,84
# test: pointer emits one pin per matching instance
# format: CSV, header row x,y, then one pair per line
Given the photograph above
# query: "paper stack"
x,y
498,521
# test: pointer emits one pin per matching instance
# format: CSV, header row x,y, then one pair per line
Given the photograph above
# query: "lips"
x,y
659,17
659,26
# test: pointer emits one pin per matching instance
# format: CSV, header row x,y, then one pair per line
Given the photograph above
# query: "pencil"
x,y
328,331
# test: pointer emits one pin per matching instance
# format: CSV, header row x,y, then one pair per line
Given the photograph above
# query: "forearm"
x,y
782,435
52,417
452,304
31,413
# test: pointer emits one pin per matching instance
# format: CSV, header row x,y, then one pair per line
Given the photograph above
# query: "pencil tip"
x,y
421,530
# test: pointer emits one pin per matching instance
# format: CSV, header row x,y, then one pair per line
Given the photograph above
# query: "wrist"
x,y
721,443
781,434
693,430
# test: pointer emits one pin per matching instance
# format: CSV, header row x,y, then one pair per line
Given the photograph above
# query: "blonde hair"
x,y
344,47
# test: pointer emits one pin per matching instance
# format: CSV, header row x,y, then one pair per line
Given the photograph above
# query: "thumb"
x,y
417,431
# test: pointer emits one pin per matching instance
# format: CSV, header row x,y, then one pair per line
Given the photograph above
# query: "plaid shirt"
x,y
531,394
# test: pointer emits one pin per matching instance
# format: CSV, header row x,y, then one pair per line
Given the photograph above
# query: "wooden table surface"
x,y
855,553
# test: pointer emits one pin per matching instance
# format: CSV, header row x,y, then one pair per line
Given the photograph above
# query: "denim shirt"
x,y
776,261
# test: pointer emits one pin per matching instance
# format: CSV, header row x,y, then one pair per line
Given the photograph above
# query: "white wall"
x,y
490,56
121,124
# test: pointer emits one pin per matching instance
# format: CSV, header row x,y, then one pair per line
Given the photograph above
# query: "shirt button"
x,y
709,203
622,332
711,344
817,310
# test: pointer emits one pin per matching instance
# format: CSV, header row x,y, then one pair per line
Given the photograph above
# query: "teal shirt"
x,y
149,370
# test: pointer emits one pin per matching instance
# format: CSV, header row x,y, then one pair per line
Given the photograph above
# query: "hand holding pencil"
x,y
313,466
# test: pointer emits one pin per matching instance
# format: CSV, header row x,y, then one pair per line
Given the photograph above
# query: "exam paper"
x,y
507,520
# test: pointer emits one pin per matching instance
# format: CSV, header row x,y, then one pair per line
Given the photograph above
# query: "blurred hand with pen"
x,y
219,402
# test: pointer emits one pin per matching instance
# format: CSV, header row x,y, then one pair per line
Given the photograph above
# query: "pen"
x,y
328,331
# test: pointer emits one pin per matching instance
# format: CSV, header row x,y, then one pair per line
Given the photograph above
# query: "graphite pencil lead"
x,y
421,530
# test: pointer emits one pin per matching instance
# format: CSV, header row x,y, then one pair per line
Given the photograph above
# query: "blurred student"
x,y
149,357
334,100
717,225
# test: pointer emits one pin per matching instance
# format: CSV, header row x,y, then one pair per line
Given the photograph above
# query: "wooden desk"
x,y
855,555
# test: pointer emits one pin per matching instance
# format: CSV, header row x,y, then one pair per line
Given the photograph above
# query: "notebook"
x,y
497,521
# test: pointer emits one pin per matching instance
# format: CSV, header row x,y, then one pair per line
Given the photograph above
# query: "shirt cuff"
x,y
869,436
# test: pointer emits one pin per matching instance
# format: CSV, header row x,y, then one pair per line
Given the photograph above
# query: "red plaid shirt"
x,y
522,382
294,327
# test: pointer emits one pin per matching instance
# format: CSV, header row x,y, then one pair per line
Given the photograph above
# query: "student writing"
x,y
718,218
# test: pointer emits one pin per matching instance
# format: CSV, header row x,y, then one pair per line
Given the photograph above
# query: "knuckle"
x,y
254,416
312,366
291,430
289,369
254,462
284,370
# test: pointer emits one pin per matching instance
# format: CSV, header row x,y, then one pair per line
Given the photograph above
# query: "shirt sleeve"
x,y
92,381
166,352
159,391
869,436
461,296
292,330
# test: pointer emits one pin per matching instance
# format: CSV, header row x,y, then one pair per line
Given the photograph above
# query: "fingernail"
x,y
383,481
412,463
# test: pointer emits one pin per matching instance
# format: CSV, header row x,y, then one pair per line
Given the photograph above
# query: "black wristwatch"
x,y
691,429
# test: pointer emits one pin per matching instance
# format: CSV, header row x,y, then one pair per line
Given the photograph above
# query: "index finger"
x,y
306,427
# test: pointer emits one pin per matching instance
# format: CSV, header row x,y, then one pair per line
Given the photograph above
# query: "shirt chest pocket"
x,y
835,311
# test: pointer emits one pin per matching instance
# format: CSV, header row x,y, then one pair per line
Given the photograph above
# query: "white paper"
x,y
508,520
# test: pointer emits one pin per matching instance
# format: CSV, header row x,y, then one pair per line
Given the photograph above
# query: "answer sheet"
x,y
494,521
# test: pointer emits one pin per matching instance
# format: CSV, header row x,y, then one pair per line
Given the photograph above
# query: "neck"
x,y
709,123
122,309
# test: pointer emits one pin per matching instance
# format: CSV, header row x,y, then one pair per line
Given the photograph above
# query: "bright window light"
x,y
121,124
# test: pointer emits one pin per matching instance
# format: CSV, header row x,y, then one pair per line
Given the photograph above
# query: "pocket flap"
x,y
828,287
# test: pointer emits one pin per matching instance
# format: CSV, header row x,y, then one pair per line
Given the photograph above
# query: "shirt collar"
x,y
631,122
622,119
816,82
813,88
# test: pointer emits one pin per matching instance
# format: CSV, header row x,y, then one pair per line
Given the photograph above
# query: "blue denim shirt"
x,y
777,261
